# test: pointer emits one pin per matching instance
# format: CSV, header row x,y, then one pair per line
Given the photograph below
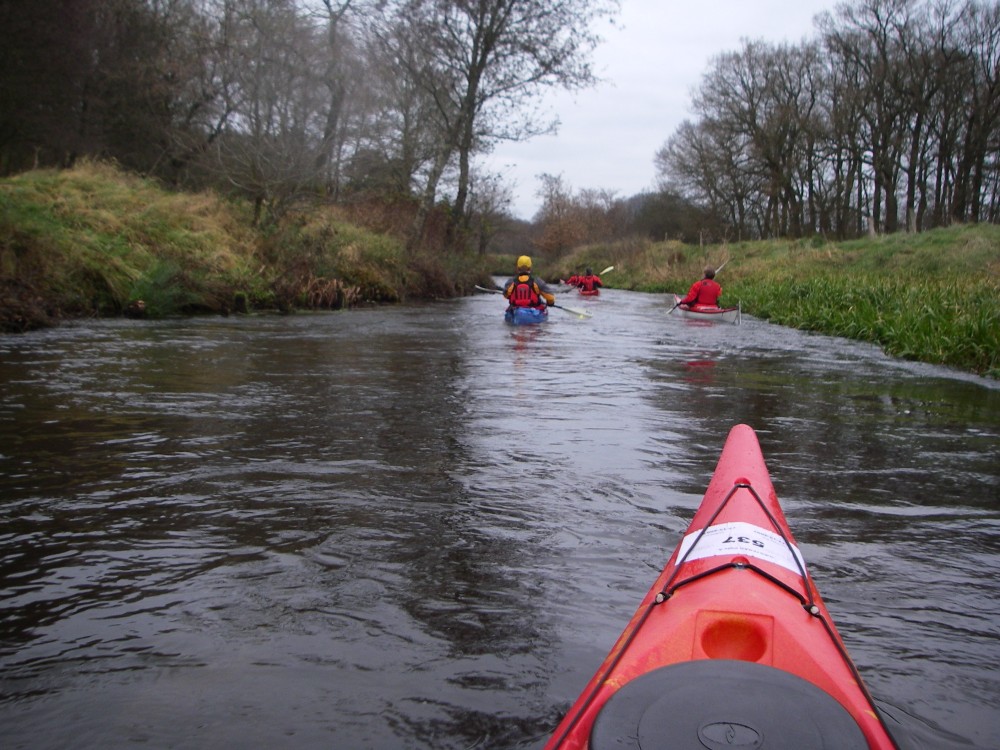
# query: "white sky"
x,y
650,64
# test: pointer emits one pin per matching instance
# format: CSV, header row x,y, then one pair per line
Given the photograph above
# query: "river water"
x,y
418,527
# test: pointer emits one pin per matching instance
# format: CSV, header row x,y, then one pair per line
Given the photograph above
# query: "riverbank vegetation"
x,y
97,241
292,154
887,119
932,296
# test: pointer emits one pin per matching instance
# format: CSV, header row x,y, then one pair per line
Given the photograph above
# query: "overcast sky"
x,y
650,65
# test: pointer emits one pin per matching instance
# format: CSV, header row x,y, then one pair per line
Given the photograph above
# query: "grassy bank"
x,y
931,297
95,241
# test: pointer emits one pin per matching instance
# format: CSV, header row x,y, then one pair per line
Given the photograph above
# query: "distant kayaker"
x,y
589,281
704,292
524,290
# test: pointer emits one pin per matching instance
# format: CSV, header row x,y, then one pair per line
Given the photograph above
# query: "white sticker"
x,y
741,538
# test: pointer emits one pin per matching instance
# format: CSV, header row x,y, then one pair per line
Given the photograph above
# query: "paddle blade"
x,y
575,310
609,269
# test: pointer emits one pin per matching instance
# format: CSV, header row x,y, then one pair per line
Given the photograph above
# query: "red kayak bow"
x,y
733,645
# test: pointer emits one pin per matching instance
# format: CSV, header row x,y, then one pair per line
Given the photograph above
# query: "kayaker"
x,y
524,290
589,281
704,292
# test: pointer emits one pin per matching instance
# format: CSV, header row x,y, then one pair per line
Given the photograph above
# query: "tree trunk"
x,y
427,200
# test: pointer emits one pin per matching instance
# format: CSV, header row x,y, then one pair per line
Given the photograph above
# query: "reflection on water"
x,y
420,527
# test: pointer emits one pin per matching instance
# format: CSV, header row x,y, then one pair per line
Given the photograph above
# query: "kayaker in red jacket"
x,y
589,281
524,290
703,293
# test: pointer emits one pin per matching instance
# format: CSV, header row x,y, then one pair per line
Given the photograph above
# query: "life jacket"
x,y
587,283
524,293
706,293
709,293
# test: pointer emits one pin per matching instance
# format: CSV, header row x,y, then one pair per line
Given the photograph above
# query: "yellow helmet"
x,y
524,262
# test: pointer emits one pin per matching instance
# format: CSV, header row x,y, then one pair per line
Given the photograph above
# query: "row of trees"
x,y
889,119
569,218
290,99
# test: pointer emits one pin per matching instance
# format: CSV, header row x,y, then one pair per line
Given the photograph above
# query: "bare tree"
x,y
926,59
489,207
869,36
340,58
900,112
404,123
559,218
272,143
704,164
483,61
981,36
843,180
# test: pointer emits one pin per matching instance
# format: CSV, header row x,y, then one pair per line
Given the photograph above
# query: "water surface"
x,y
416,526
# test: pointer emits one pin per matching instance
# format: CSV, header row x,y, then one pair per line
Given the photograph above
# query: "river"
x,y
418,527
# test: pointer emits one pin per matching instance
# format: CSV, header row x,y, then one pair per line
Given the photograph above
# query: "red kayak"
x,y
589,292
708,312
732,647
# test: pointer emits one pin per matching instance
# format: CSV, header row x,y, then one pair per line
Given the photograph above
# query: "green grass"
x,y
931,320
92,240
931,297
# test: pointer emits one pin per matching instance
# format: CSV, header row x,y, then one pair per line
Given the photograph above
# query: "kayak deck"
x,y
733,617
524,316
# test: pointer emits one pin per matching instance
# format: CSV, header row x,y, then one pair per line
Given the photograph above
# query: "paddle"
x,y
574,310
678,301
